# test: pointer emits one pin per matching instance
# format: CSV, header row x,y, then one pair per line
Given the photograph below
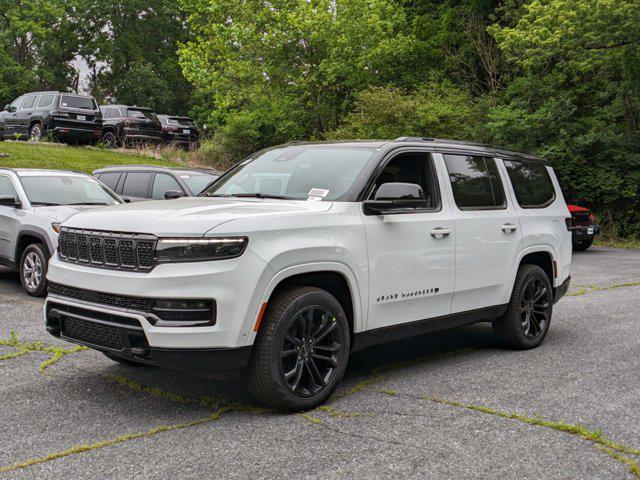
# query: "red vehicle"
x,y
583,227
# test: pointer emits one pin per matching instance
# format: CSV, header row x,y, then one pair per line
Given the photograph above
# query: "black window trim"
x,y
535,164
367,191
172,175
505,206
35,101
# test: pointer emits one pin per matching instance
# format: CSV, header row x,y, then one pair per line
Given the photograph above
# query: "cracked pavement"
x,y
98,418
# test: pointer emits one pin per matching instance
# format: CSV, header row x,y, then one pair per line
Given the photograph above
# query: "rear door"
x,y
136,186
488,238
411,251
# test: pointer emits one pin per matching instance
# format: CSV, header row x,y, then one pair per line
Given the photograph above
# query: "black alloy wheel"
x,y
109,140
309,351
528,316
535,308
301,350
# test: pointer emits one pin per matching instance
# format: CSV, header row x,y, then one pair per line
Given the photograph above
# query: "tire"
x,y
35,132
526,323
288,369
582,245
109,139
123,361
33,270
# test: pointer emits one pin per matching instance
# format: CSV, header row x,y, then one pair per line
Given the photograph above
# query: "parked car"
x,y
179,131
66,116
583,227
303,253
32,205
146,182
125,126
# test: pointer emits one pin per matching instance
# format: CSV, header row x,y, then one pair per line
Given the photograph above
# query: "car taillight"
x,y
569,222
58,113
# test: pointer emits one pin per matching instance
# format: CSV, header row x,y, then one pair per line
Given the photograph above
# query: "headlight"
x,y
199,249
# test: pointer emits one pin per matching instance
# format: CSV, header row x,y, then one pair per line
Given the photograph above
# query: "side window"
x,y
6,188
45,100
17,103
28,102
411,167
136,184
162,183
476,182
531,184
110,179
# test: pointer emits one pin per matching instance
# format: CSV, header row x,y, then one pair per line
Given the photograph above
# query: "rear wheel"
x,y
35,133
33,270
302,350
582,245
527,320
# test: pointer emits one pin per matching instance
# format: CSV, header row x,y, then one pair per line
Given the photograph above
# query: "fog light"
x,y
181,313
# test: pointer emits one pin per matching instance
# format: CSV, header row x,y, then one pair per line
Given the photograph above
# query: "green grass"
x,y
60,157
618,243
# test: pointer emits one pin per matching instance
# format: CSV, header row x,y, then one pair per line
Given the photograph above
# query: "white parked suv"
x,y
32,205
306,252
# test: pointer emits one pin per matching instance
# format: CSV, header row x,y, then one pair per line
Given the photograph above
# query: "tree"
x,y
574,97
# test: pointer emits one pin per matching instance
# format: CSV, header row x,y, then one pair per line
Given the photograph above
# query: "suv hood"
x,y
60,213
187,216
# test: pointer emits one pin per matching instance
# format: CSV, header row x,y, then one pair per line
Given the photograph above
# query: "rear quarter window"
x,y
531,183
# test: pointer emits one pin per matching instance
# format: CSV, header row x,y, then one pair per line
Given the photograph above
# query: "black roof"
x,y
154,168
435,144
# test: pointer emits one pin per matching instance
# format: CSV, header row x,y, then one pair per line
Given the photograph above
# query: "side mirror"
x,y
9,201
171,194
7,108
393,196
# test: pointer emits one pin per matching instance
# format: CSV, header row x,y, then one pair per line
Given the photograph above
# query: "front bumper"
x,y
587,232
123,336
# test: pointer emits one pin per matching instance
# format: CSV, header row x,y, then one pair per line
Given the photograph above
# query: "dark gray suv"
x,y
147,182
67,117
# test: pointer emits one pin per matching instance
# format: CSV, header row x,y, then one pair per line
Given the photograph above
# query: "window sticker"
x,y
317,194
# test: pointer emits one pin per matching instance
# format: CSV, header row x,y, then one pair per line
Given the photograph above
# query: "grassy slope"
x,y
86,159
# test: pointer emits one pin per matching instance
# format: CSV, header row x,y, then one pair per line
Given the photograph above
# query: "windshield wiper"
x,y
46,204
88,203
253,195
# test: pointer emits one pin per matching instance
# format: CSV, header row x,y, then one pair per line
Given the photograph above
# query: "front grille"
x,y
118,251
120,301
93,333
581,218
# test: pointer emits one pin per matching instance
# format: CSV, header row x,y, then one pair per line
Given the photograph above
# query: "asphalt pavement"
x,y
447,405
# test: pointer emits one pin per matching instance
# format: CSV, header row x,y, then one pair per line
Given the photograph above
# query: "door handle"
x,y
509,227
439,232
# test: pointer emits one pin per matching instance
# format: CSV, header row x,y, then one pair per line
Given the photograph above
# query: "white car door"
x,y
411,252
488,238
8,220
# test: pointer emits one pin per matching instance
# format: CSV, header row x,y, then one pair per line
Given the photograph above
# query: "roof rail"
x,y
414,139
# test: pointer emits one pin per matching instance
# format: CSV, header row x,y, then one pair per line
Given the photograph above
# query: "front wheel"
x,y
301,351
527,320
35,133
109,139
33,270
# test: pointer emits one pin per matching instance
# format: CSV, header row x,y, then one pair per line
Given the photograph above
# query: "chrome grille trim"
x,y
111,250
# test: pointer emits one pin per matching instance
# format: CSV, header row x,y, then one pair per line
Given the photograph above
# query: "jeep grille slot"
x,y
116,251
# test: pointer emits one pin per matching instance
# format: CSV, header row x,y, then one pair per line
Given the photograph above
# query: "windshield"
x,y
142,114
292,172
71,101
197,181
67,190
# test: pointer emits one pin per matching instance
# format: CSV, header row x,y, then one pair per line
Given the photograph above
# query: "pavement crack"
x,y
23,348
584,289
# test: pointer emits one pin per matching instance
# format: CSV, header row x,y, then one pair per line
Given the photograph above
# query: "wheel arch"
x,y
543,256
28,237
336,278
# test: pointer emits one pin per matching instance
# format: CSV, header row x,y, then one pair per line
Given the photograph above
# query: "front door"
x,y
11,118
8,220
411,252
487,231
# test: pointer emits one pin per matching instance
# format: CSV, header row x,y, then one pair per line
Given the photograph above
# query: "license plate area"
x,y
186,131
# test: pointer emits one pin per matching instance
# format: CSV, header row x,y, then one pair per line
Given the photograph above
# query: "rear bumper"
x,y
79,133
561,290
124,337
141,137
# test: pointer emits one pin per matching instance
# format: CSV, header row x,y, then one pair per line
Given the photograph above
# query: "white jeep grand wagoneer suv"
x,y
306,252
